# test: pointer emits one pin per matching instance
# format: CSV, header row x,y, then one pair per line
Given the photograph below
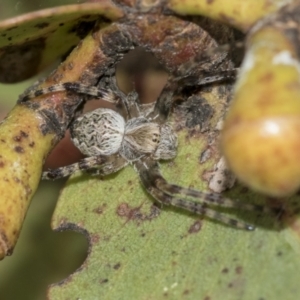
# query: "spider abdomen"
x,y
104,132
99,132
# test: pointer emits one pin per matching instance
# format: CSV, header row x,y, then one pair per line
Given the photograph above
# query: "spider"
x,y
141,138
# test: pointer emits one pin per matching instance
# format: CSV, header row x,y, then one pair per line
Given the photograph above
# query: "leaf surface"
x,y
31,42
142,251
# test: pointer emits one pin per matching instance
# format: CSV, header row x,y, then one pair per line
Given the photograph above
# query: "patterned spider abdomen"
x,y
104,132
99,132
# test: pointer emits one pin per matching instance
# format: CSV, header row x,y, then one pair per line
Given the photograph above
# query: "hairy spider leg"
x,y
157,186
209,198
127,105
197,71
75,87
164,102
94,165
203,78
209,60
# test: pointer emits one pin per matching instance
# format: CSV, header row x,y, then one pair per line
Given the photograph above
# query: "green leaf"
x,y
31,42
140,251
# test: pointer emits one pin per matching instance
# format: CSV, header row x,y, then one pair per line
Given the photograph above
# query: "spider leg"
x,y
166,193
209,198
129,104
174,85
94,165
75,87
209,77
210,59
204,68
164,102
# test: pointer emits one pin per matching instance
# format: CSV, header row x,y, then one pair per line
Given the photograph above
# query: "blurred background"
x,y
42,256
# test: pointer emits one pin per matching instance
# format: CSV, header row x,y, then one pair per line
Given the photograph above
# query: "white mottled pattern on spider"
x,y
141,138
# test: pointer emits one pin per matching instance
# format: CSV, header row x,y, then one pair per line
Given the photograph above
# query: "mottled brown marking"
x,y
195,227
19,62
117,266
17,138
238,269
207,298
31,144
41,25
100,209
70,66
107,238
124,210
19,149
266,78
235,121
24,134
2,164
81,29
57,77
264,102
17,180
105,280
280,155
28,190
210,1
94,238
134,213
225,271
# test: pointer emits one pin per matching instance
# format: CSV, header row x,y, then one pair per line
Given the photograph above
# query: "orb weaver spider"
x,y
141,138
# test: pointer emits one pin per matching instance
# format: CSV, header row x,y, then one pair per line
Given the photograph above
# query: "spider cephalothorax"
x,y
140,138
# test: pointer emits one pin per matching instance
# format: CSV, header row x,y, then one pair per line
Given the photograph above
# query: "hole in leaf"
x,y
41,256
